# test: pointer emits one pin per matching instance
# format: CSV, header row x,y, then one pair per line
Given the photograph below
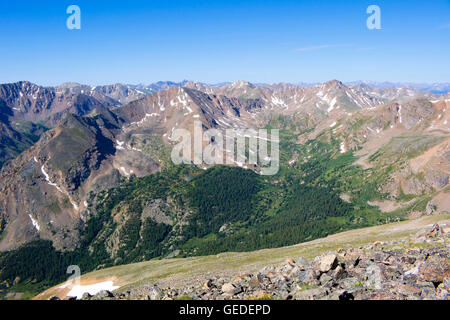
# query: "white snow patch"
x,y
147,115
34,223
279,102
47,178
161,106
93,289
120,145
126,172
75,206
342,147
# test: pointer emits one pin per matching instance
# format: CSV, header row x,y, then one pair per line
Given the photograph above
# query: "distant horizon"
x,y
353,82
261,41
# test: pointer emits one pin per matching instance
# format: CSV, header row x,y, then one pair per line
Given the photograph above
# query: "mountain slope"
x,y
42,190
194,272
101,185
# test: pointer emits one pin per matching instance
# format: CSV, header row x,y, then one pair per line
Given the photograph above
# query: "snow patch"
x,y
126,172
93,289
75,206
342,147
279,102
120,145
34,223
47,178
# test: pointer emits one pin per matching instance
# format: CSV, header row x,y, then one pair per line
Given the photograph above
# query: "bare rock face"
x,y
42,192
414,186
158,211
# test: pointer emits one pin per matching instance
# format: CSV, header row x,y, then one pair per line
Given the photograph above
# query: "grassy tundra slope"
x,y
194,270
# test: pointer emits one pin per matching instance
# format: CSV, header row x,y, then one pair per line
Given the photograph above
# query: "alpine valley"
x,y
86,175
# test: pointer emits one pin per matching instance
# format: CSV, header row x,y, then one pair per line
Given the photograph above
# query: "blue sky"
x,y
214,41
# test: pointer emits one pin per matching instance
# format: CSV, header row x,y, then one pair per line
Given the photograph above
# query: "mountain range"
x,y
86,175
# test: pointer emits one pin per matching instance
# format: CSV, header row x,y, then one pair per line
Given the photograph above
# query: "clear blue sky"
x,y
213,41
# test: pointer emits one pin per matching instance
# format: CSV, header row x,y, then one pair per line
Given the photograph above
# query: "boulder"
x,y
155,294
350,283
352,259
431,207
434,232
325,280
435,269
230,289
374,276
328,263
255,281
208,285
104,294
306,276
338,273
86,296
407,290
290,261
443,290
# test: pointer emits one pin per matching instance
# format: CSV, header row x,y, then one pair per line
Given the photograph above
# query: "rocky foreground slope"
x,y
412,268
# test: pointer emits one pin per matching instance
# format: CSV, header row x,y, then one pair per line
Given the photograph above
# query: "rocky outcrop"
x,y
417,269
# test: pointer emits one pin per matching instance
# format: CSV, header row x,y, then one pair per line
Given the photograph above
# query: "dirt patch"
x,y
389,206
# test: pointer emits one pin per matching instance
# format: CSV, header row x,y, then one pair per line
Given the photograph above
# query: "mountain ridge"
x,y
100,185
